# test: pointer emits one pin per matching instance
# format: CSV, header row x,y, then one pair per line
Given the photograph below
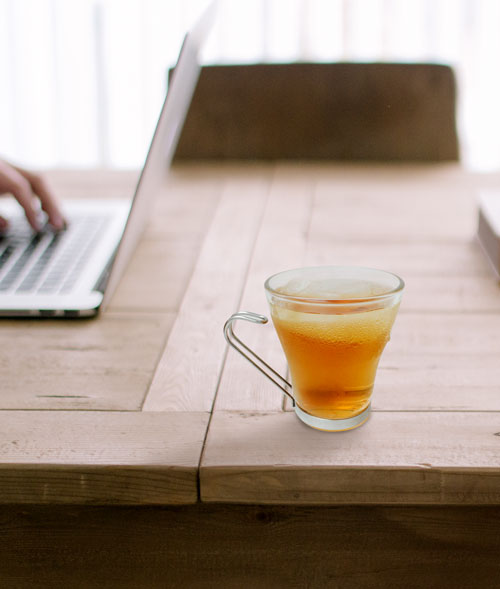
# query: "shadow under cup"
x,y
333,324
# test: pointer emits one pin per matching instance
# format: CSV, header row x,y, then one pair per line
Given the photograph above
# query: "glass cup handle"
x,y
250,355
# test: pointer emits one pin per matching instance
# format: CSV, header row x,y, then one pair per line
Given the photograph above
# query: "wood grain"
x,y
160,268
103,364
447,362
457,259
445,383
396,457
187,375
100,457
472,334
170,262
206,546
402,213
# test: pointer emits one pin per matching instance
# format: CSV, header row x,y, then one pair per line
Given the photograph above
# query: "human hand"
x,y
31,191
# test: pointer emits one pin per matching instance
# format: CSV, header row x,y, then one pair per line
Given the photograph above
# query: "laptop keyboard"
x,y
47,262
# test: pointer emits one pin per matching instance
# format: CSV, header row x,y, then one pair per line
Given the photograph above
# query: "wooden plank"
x,y
185,204
395,458
100,364
469,334
94,457
351,177
188,372
402,212
206,546
280,245
157,276
445,383
452,259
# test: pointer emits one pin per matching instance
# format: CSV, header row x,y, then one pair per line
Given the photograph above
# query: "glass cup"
x,y
333,323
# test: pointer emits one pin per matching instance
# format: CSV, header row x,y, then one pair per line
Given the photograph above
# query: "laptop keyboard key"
x,y
33,276
20,263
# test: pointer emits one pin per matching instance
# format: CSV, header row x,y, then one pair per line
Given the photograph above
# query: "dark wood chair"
x,y
340,111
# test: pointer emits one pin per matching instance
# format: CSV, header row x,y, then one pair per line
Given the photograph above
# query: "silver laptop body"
x,y
74,273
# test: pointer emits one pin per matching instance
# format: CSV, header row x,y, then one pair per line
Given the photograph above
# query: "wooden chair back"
x,y
345,111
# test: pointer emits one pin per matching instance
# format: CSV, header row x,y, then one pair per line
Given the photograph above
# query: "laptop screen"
x,y
163,144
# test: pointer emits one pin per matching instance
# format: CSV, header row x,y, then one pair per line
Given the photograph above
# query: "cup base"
x,y
332,425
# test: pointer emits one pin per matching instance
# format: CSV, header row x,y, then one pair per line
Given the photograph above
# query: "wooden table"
x,y
137,451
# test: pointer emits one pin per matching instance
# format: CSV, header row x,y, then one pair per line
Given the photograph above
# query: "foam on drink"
x,y
331,289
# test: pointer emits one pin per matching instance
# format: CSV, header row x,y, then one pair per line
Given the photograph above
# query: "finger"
x,y
4,225
20,189
47,199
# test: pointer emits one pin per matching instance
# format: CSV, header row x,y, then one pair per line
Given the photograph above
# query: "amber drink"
x,y
333,324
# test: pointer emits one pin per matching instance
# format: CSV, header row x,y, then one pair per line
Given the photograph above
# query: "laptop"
x,y
73,273
488,227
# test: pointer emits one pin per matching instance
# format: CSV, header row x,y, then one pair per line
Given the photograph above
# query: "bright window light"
x,y
83,80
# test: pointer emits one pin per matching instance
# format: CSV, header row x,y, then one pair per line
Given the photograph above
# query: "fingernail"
x,y
58,222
